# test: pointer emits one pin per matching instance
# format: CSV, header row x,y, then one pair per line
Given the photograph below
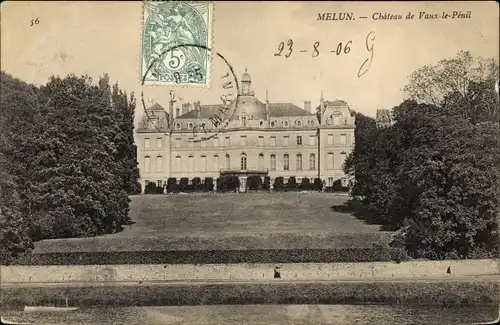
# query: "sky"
x,y
105,37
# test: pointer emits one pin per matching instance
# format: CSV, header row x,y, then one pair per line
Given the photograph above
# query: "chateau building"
x,y
247,137
384,118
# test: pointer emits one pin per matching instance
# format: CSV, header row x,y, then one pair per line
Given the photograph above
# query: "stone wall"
x,y
291,271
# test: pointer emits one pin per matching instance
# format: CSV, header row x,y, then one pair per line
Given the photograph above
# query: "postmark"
x,y
206,128
168,25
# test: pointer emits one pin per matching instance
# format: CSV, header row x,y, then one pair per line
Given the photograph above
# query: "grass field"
x,y
231,221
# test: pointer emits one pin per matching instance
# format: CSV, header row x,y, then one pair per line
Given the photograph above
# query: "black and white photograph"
x,y
249,162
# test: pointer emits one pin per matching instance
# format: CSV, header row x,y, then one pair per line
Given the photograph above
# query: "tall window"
x,y
159,163
342,159
286,162
243,140
299,140
273,162
228,162
216,142
343,139
203,163
299,161
261,141
330,139
330,161
147,164
191,163
312,162
243,162
286,141
272,141
312,140
203,143
261,162
216,163
159,142
227,142
190,142
244,121
178,164
336,120
177,142
147,143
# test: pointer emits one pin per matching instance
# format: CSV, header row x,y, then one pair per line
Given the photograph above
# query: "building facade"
x,y
246,137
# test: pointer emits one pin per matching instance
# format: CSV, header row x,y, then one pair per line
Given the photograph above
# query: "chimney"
x,y
186,108
307,106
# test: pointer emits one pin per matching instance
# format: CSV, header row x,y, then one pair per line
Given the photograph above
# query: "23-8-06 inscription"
x,y
395,16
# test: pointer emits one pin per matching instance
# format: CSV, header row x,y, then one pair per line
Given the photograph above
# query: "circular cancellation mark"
x,y
230,93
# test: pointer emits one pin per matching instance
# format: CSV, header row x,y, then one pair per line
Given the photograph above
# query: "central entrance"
x,y
243,176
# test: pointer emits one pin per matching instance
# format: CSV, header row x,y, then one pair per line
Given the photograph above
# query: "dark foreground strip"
x,y
448,294
216,256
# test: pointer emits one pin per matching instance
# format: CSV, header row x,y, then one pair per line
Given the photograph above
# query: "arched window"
x,y
177,125
299,123
286,162
273,124
285,124
190,126
261,161
243,162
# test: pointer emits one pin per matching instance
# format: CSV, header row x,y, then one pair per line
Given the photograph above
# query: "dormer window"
x,y
190,126
273,124
177,126
299,123
285,124
243,121
261,123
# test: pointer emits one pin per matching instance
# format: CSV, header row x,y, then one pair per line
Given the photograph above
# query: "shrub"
x,y
150,188
318,184
196,185
291,185
266,186
172,185
278,184
254,183
305,185
208,185
228,183
184,184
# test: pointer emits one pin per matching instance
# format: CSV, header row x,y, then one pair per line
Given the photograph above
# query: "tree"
x,y
208,185
291,184
196,184
305,185
254,183
266,186
432,83
278,183
318,184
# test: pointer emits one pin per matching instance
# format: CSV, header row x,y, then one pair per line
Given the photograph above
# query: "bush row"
x,y
231,183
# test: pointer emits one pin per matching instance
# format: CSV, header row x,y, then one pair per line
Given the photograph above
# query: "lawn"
x,y
231,221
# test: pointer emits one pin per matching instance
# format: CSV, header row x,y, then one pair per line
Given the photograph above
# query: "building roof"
x,y
336,102
275,110
156,107
286,109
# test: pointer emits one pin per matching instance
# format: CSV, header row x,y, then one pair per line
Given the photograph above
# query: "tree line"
x,y
67,160
433,175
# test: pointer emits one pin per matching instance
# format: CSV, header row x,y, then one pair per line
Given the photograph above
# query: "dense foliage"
x,y
434,174
67,160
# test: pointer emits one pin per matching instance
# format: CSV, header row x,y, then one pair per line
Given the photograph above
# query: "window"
x,y
159,163
261,141
191,163
190,142
343,139
299,140
243,162
330,139
330,161
342,159
228,162
330,181
273,124
299,161
146,164
336,120
216,142
177,142
243,140
312,140
312,162
299,123
203,163
244,121
177,126
216,163
273,162
286,162
146,143
159,142
272,141
261,162
285,124
178,164
227,141
286,141
190,126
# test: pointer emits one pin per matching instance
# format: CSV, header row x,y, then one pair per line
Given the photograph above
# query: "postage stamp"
x,y
167,26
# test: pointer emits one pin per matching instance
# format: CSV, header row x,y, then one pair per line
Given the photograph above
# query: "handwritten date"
x,y
287,48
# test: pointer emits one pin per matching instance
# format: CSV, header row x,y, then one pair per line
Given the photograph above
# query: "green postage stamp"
x,y
176,42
